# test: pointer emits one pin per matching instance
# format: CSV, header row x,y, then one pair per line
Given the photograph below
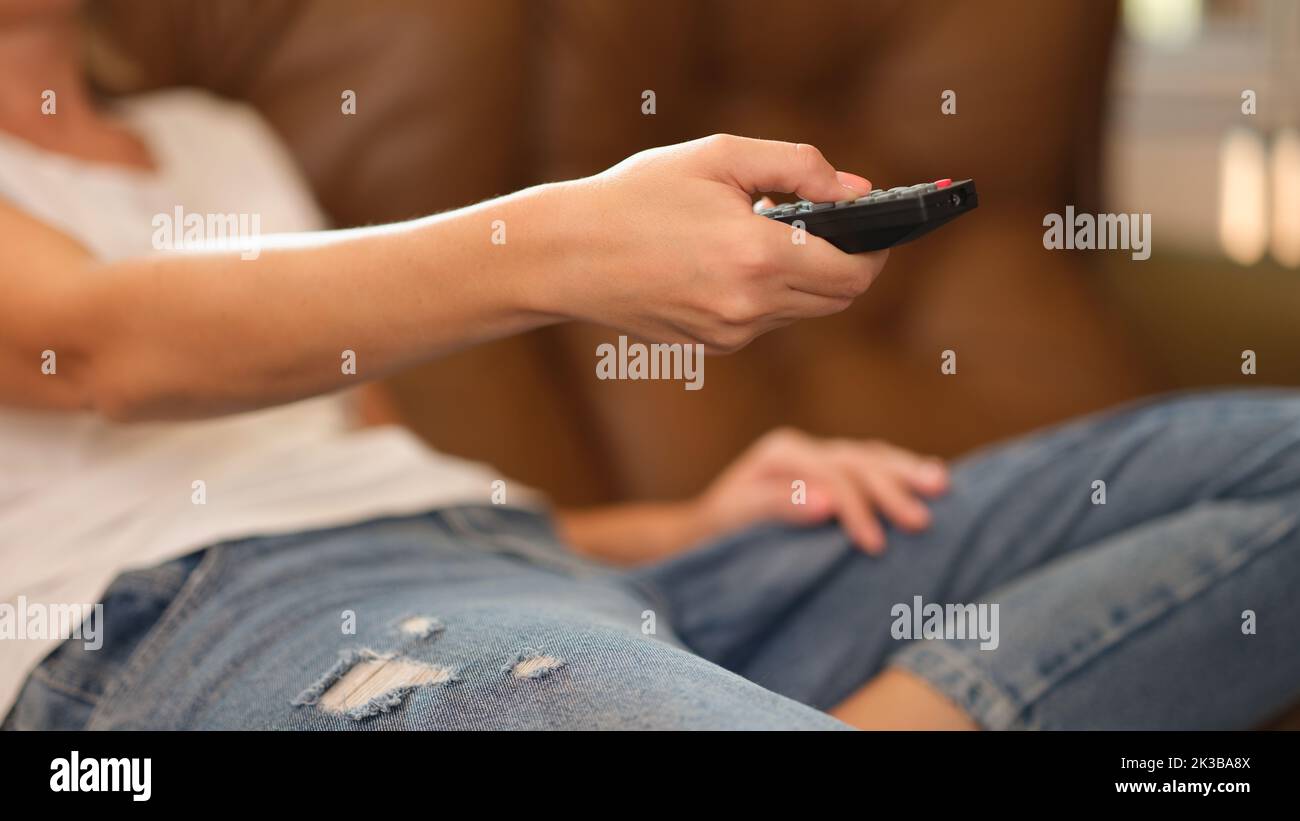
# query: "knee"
x,y
1259,404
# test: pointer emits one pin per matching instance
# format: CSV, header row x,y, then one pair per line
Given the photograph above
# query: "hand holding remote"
x,y
666,246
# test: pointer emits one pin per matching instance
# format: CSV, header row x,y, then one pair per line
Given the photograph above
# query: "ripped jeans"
x,y
1172,605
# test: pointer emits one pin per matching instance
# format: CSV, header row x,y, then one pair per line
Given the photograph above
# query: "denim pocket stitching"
x,y
188,598
63,688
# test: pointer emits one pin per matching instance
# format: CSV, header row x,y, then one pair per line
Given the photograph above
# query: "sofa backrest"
x,y
461,101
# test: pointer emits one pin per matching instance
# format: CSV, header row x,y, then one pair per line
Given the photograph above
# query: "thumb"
x,y
799,168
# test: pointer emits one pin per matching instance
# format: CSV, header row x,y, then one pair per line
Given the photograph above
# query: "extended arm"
x,y
663,246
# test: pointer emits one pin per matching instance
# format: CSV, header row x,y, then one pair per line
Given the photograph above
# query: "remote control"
x,y
883,218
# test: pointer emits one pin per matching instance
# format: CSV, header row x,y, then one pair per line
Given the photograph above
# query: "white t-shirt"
x,y
81,498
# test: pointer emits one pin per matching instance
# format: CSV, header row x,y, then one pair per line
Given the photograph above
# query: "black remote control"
x,y
883,218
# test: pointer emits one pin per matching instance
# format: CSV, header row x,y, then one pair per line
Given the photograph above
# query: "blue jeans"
x,y
1172,605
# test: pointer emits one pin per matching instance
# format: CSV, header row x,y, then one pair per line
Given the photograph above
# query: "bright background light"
x,y
1285,243
1163,22
1243,196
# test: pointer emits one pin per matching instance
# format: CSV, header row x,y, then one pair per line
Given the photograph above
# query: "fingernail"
x,y
932,471
853,182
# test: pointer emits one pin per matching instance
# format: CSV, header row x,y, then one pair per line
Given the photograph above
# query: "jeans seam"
x,y
85,696
187,599
143,583
955,661
1199,586
466,522
995,712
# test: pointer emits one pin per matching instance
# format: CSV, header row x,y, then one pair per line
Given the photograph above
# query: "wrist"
x,y
633,533
708,516
493,265
681,525
553,252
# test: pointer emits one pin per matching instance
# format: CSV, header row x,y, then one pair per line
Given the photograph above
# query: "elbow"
x,y
112,391
65,380
114,406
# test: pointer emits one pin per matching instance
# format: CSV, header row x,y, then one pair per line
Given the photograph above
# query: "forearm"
x,y
193,334
664,246
633,533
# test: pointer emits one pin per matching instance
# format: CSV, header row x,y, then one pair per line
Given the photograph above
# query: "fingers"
x,y
894,498
929,476
862,481
925,474
834,489
816,508
854,510
891,478
853,182
822,269
808,263
768,165
800,305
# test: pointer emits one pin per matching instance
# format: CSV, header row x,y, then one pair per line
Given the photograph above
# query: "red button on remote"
x,y
944,183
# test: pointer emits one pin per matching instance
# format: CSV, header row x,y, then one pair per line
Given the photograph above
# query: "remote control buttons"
x,y
806,207
802,207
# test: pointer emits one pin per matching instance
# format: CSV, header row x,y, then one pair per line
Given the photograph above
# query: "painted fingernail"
x,y
853,182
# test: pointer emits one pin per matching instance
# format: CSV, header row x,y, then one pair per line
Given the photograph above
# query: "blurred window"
x,y
1203,129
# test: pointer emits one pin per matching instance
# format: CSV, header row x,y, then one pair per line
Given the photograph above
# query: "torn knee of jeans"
x,y
421,627
364,683
532,663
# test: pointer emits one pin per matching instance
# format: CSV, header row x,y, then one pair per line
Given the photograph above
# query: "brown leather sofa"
x,y
461,101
